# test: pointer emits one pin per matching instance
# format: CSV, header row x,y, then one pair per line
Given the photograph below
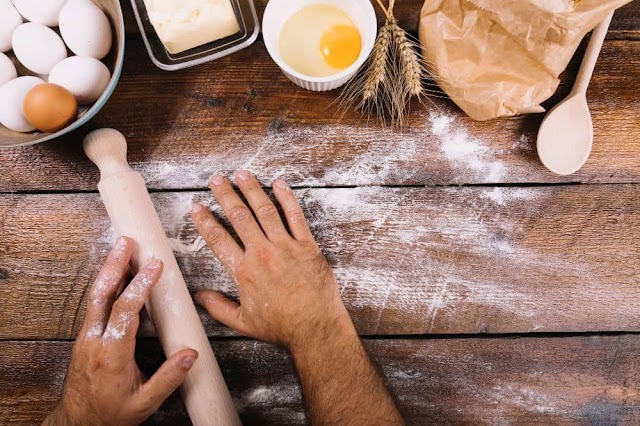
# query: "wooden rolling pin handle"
x,y
170,306
107,149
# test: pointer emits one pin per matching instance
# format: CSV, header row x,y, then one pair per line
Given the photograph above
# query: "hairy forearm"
x,y
340,384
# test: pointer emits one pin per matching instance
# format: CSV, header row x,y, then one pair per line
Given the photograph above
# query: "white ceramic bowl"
x,y
278,12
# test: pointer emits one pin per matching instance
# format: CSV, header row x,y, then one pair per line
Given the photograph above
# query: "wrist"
x,y
59,416
67,415
337,329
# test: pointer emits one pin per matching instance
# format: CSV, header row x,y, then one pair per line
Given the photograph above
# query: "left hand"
x,y
104,385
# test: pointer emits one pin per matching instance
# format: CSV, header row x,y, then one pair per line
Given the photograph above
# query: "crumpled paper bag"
x,y
499,58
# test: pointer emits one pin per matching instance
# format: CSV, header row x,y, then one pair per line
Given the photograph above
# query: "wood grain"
x,y
626,24
184,126
408,260
575,380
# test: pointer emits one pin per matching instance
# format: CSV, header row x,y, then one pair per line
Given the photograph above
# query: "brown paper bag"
x,y
499,58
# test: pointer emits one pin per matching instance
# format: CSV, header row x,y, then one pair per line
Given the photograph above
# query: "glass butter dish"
x,y
246,16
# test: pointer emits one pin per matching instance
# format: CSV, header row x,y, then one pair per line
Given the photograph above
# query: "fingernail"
x,y
281,184
201,298
198,298
188,361
154,264
243,175
121,243
217,180
197,208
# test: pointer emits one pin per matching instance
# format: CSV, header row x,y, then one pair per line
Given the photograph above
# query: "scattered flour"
x,y
114,333
372,156
136,289
502,196
183,248
403,375
466,151
94,332
118,330
103,286
496,195
435,274
523,143
273,395
108,236
528,399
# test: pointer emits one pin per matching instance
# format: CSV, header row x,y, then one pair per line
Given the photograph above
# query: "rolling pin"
x,y
170,306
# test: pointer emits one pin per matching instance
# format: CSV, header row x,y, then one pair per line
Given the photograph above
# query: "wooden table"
x,y
487,290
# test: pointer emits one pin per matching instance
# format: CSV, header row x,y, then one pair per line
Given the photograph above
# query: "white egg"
x,y
37,47
85,28
10,19
85,77
40,12
11,99
7,69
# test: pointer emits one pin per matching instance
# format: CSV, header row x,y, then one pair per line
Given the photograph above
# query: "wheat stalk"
x,y
413,71
391,76
378,66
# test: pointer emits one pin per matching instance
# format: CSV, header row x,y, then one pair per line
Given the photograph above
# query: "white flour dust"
x,y
446,235
272,396
94,331
117,330
137,288
523,143
502,196
528,399
187,248
339,155
464,150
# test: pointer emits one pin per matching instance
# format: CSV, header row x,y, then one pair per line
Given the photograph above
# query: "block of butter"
x,y
185,24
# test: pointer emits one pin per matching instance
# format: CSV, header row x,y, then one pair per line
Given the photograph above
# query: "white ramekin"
x,y
278,12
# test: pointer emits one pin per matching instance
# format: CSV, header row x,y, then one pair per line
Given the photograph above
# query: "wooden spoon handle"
x,y
170,306
591,56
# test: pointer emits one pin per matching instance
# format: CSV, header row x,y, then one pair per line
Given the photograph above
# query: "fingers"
x,y
293,212
238,213
124,319
221,243
265,211
104,289
222,309
167,379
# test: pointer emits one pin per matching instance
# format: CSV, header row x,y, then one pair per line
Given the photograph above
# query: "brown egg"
x,y
49,107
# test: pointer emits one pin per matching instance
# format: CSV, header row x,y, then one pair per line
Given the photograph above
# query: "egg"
x,y
7,69
85,29
87,78
320,40
10,19
11,99
37,47
39,11
49,107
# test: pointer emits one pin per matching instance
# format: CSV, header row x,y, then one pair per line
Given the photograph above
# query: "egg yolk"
x,y
340,46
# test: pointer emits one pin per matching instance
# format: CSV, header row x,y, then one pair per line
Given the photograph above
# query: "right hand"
x,y
288,292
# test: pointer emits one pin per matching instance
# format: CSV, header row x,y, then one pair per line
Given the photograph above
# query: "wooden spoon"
x,y
566,134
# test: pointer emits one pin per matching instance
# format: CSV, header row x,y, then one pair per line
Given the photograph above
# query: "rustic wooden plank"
x,y
625,25
409,260
218,117
574,380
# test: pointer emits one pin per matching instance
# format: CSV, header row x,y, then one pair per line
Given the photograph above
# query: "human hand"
x,y
288,292
104,385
